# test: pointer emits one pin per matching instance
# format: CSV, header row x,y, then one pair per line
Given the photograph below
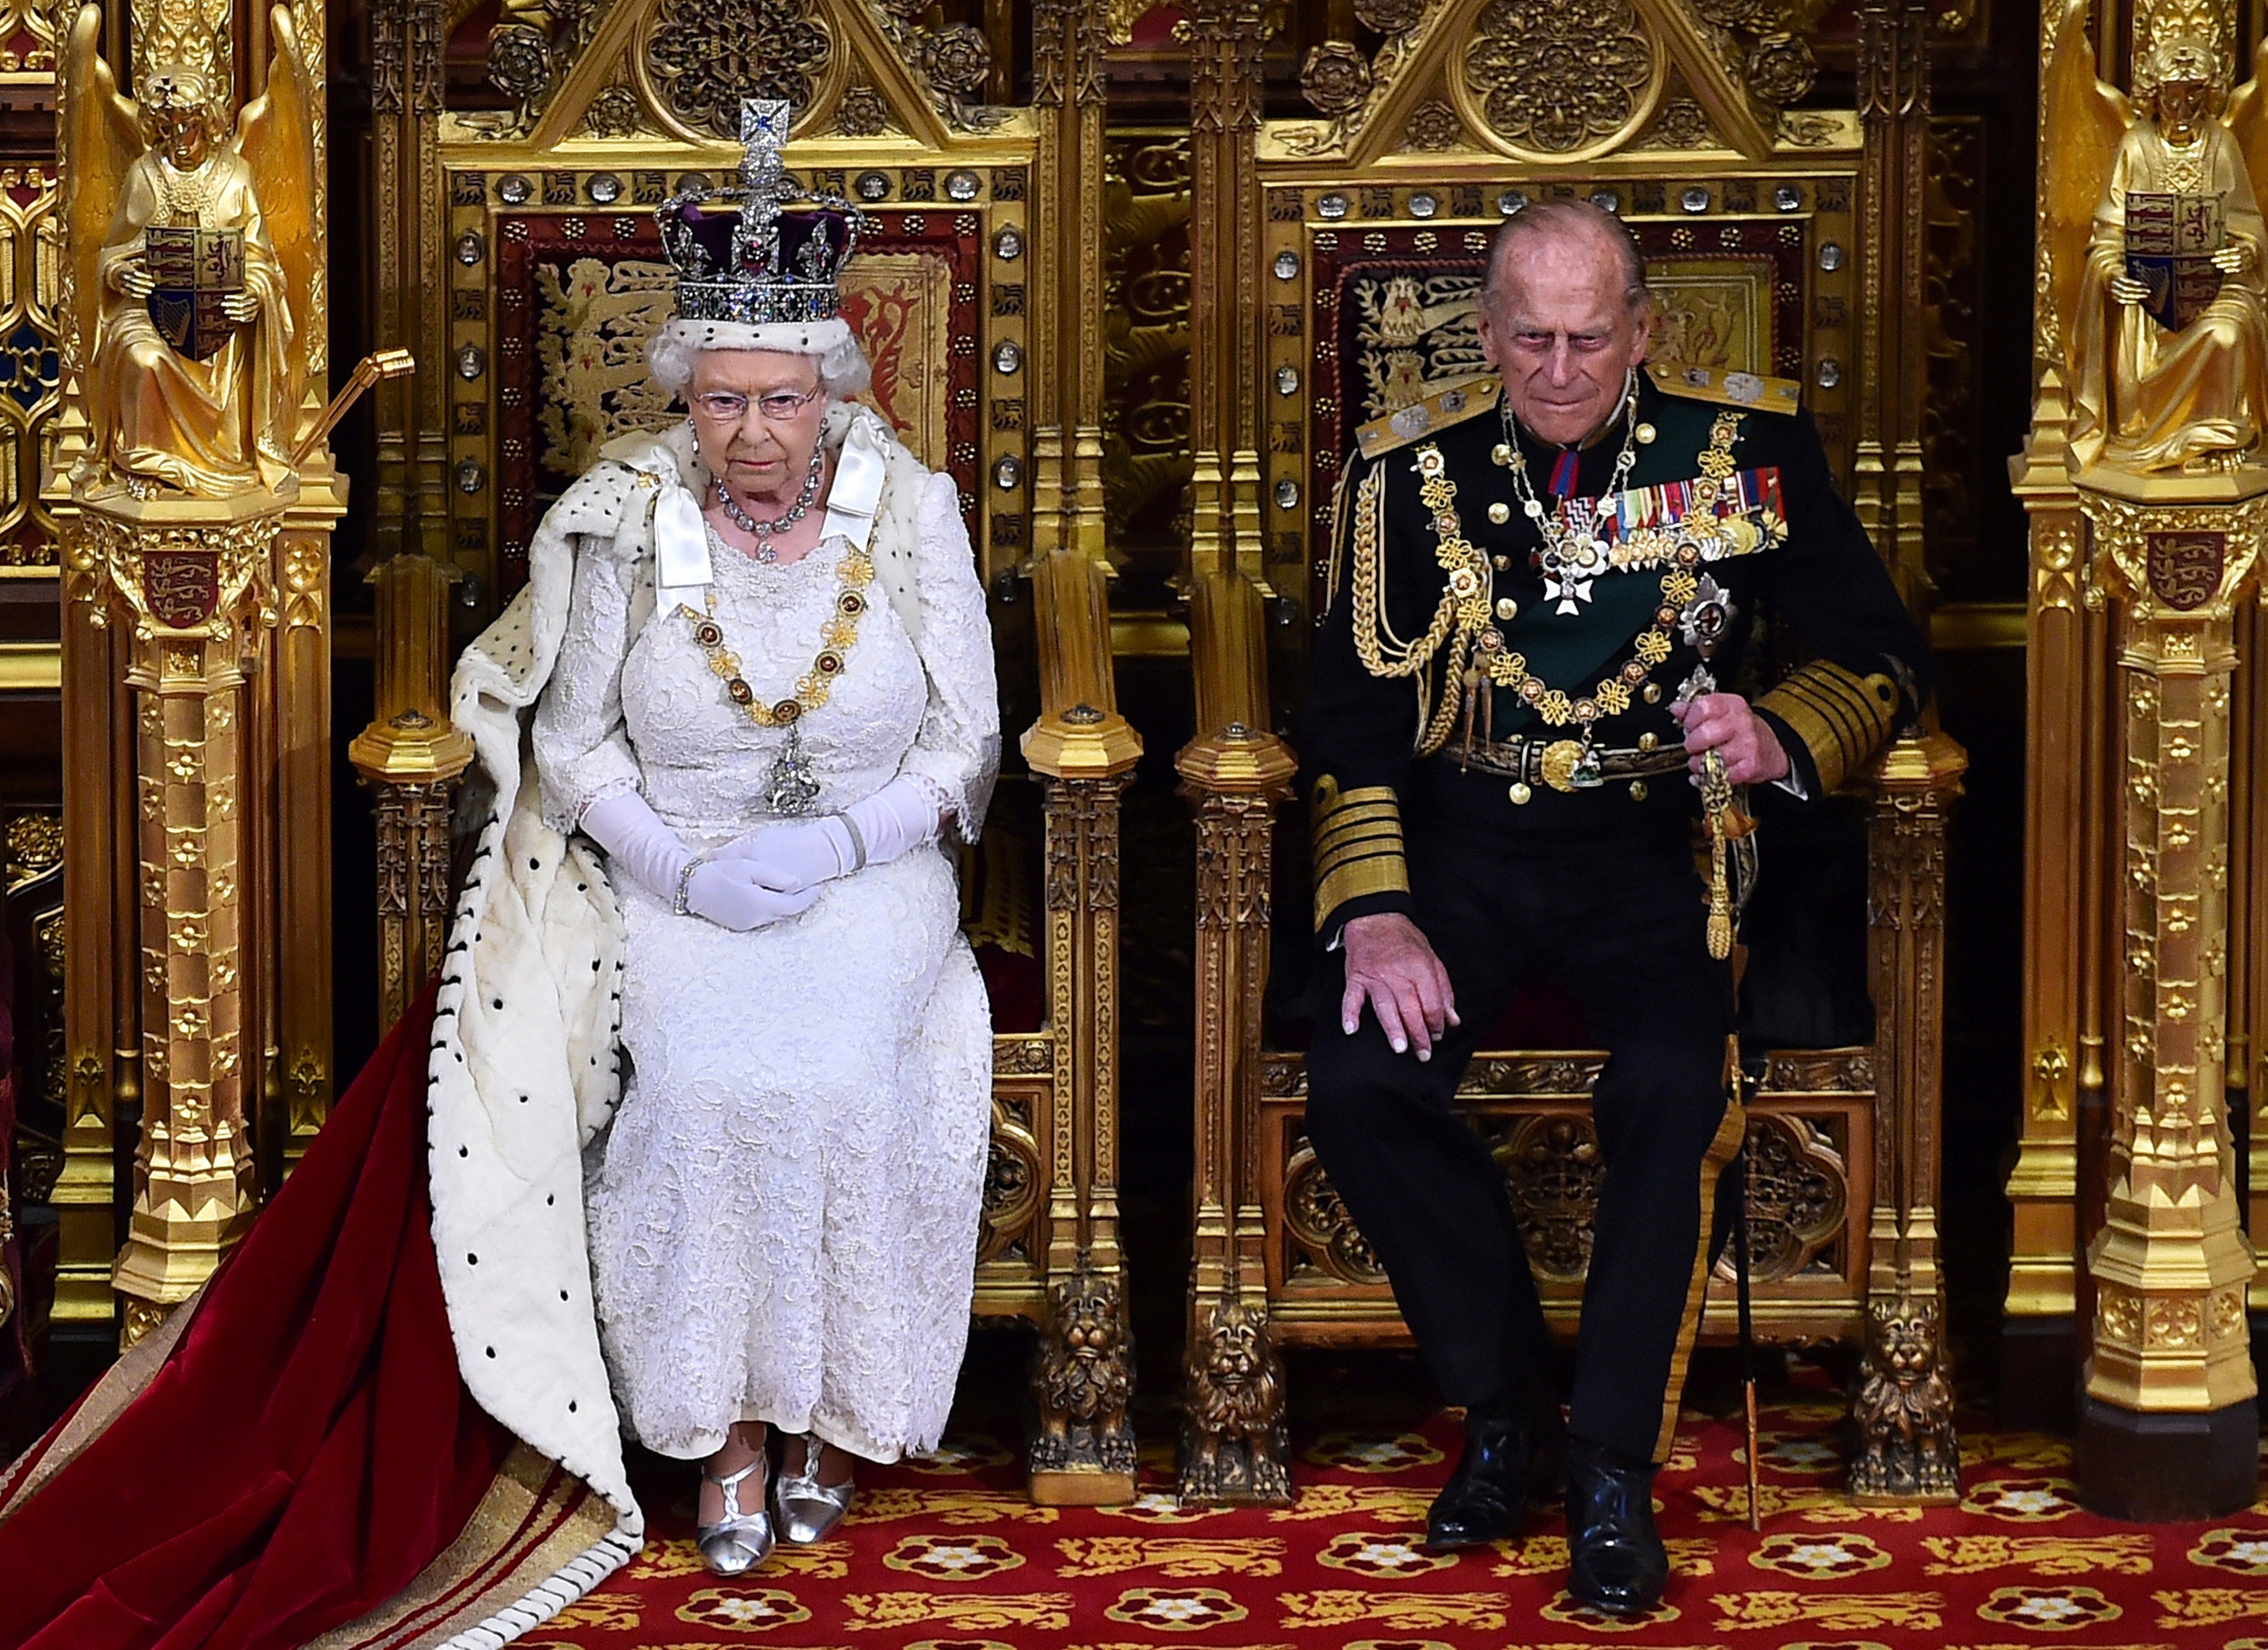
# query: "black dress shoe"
x,y
1615,1563
1486,1496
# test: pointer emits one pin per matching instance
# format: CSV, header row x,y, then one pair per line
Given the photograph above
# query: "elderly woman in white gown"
x,y
773,693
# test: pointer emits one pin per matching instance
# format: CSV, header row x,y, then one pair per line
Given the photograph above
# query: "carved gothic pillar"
x,y
409,219
102,1005
1083,1453
1904,1405
2170,1424
2070,881
188,587
2068,890
1233,1447
196,674
1893,85
1236,772
411,756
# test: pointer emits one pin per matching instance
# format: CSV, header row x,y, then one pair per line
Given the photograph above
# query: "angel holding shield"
x,y
189,309
2166,296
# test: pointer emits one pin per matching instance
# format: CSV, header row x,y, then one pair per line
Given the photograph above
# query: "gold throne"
x,y
530,278
1773,244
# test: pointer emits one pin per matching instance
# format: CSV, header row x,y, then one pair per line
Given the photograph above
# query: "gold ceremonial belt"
x,y
1562,764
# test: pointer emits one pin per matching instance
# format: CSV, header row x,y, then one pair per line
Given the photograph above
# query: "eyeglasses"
x,y
725,407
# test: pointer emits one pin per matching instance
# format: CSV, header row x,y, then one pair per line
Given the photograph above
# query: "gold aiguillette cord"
x,y
1726,825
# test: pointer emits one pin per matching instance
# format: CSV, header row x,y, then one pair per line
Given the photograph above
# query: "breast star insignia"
x,y
1569,588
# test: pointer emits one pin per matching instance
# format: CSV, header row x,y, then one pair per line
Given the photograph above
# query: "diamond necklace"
x,y
1572,557
763,531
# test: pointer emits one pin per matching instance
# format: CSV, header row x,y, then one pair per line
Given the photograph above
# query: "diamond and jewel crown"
x,y
765,249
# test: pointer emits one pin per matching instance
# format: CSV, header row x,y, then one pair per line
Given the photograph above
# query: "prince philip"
x,y
1545,591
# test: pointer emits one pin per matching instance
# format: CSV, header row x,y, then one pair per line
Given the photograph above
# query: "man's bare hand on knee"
x,y
1389,964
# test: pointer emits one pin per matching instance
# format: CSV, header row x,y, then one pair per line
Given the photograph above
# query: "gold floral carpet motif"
x,y
947,1554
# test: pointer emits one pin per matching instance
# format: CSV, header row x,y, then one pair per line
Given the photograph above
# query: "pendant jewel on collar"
x,y
1496,664
1571,555
793,786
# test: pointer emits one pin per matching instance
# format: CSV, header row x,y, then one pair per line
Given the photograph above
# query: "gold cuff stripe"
x,y
1363,846
1841,718
1338,814
1329,798
1385,852
1357,845
1873,700
1379,873
1722,1146
1365,824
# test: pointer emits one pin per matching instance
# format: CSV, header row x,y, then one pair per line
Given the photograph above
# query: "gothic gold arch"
x,y
1489,77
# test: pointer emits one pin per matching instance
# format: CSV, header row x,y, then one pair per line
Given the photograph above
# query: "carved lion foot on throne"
x,y
1233,1446
1083,1378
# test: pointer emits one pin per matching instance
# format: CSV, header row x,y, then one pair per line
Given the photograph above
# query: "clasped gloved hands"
x,y
800,854
772,872
731,893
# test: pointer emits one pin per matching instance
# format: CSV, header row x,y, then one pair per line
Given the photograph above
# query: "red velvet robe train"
x,y
305,1451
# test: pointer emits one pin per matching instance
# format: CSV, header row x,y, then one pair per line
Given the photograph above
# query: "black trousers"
x,y
1621,925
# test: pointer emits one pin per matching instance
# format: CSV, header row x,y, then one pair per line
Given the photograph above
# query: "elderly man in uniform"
x,y
1544,585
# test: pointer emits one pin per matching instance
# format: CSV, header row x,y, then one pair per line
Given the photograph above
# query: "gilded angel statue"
x,y
188,311
2159,254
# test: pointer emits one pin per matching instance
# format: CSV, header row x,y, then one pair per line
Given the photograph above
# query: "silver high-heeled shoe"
x,y
804,1508
738,1541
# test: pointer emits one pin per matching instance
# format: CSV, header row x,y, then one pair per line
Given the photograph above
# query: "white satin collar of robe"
x,y
680,538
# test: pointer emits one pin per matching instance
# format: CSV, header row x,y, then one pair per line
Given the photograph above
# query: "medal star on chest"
x,y
1572,556
1666,532
1567,591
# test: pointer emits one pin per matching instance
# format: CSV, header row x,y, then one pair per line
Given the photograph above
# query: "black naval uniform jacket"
x,y
1380,748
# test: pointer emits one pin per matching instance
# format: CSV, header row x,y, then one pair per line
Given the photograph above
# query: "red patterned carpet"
x,y
947,1555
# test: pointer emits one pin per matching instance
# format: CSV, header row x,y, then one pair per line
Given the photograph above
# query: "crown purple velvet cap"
x,y
762,251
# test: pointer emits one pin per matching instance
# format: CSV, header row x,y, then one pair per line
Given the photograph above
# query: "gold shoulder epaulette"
x,y
1726,387
1438,411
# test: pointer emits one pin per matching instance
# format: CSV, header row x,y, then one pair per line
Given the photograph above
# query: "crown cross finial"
x,y
763,131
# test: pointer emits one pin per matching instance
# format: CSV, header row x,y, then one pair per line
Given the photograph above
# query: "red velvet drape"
x,y
307,1447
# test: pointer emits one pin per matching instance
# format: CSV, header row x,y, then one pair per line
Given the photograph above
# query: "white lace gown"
x,y
783,1216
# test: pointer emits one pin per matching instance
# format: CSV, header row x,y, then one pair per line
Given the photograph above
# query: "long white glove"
x,y
726,892
899,817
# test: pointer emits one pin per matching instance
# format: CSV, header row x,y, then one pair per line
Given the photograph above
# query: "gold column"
x,y
1236,772
1904,1408
102,1054
2248,1049
101,1022
2065,879
1085,751
409,219
190,591
2064,1079
1893,88
411,756
2170,1424
198,762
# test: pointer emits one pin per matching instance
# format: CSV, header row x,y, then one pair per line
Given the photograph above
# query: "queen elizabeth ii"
x,y
754,679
